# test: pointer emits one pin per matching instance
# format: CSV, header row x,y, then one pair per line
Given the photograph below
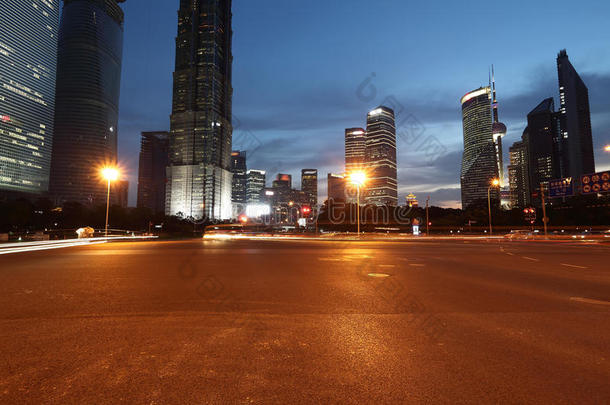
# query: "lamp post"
x,y
110,174
494,183
607,148
357,179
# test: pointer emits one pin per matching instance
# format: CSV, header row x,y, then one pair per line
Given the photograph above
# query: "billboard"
x,y
595,183
561,187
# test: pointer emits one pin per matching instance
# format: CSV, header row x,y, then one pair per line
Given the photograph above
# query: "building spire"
x,y
493,89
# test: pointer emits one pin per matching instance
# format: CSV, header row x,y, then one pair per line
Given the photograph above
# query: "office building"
x,y
380,156
336,187
576,139
240,177
87,99
256,186
154,158
199,174
540,138
120,193
479,163
309,185
518,174
355,149
28,57
498,131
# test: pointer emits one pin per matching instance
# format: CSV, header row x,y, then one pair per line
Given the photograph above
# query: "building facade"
x,y
355,149
309,185
518,175
240,177
87,99
479,163
336,186
256,186
380,156
28,59
576,146
154,158
199,174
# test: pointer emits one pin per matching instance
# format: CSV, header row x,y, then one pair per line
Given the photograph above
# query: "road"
x,y
245,321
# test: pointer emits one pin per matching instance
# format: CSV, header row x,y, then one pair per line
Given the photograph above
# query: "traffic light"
x,y
530,215
306,210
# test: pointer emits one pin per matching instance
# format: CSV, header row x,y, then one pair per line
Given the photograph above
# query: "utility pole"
x,y
427,217
544,217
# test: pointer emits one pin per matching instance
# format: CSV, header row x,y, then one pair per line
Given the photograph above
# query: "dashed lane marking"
x,y
574,265
531,258
589,301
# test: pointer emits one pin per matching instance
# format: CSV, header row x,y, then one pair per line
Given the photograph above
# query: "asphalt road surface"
x,y
242,321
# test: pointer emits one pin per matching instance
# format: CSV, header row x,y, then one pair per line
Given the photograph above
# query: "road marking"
x,y
589,301
387,265
416,265
378,275
510,254
531,258
573,265
329,259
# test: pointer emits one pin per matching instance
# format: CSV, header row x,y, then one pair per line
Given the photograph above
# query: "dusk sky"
x,y
300,71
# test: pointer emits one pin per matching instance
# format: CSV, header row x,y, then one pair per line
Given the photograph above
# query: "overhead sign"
x,y
596,183
561,187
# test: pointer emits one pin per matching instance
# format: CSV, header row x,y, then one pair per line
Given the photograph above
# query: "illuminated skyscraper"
x,y
256,186
240,177
309,185
28,56
518,175
199,175
576,145
498,131
336,187
380,156
87,98
479,163
355,149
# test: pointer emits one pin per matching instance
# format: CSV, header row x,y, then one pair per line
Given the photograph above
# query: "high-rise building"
x,y
479,163
540,136
576,146
336,187
309,185
199,174
498,131
380,154
518,175
256,186
355,149
154,158
28,56
240,177
120,191
87,99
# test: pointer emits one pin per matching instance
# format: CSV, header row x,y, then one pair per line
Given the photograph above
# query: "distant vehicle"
x,y
520,234
86,232
224,229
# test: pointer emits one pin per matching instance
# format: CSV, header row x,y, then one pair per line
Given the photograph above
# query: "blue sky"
x,y
298,67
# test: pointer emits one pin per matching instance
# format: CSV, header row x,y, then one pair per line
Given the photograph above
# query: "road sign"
x,y
561,187
596,183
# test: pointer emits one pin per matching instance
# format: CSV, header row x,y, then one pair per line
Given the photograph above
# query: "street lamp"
x,y
109,174
494,183
357,179
607,148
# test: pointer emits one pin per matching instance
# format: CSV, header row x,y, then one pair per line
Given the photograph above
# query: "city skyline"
x,y
317,137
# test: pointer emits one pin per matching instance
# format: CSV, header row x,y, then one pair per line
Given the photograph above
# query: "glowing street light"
x,y
109,174
494,183
357,179
607,148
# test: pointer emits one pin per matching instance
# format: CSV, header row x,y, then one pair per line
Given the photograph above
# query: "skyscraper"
x,y
355,149
256,186
240,177
87,98
479,163
28,56
199,175
540,136
154,157
498,131
336,186
380,155
576,146
518,175
309,185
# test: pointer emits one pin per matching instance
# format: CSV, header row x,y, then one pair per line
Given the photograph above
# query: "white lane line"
x,y
378,275
387,265
573,265
531,258
329,259
416,265
510,254
589,301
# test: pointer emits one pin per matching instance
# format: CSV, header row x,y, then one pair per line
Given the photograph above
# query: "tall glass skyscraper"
x,y
154,157
239,168
576,145
28,49
479,161
87,101
380,154
309,185
199,175
355,147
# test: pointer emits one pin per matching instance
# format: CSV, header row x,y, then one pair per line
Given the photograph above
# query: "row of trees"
x,y
22,215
